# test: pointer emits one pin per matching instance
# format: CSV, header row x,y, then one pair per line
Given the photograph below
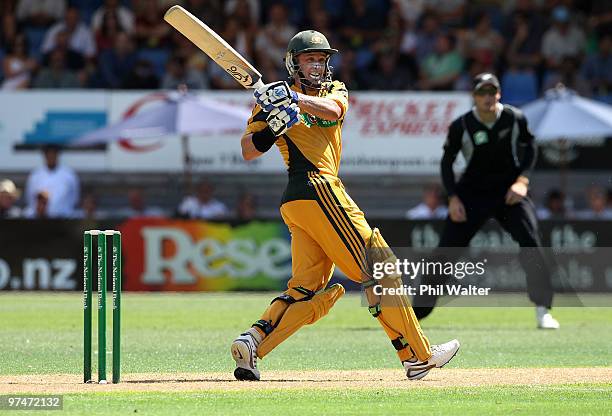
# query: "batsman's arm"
x,y
249,152
331,107
322,107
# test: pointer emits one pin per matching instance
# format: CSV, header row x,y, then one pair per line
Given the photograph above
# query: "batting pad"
x,y
394,312
299,314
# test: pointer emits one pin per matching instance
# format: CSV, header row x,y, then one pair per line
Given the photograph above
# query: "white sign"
x,y
384,133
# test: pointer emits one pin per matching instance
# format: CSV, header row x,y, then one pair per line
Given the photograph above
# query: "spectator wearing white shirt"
x,y
59,183
562,39
203,205
9,194
431,207
81,37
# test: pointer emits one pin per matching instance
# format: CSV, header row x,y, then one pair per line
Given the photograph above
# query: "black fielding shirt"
x,y
495,155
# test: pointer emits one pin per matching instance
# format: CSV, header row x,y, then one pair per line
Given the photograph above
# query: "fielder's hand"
x,y
516,193
456,210
283,118
275,95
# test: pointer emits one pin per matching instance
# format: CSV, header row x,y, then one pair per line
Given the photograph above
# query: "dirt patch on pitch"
x,y
358,379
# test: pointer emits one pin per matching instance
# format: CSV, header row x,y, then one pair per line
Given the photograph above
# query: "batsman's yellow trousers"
x,y
331,230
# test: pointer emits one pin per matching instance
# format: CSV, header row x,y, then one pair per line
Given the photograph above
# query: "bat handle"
x,y
258,84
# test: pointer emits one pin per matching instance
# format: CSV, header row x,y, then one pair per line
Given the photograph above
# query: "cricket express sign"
x,y
177,255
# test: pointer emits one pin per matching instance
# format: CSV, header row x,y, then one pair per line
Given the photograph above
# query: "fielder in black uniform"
x,y
500,152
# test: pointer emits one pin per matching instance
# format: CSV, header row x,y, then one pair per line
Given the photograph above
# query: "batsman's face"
x,y
312,65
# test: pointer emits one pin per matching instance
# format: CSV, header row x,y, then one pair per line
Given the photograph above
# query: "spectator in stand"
x,y
40,209
426,37
73,60
40,13
528,10
178,74
89,208
431,207
361,25
562,39
141,77
137,206
597,68
17,66
203,204
123,15
442,68
105,35
9,194
150,30
59,183
483,43
272,40
388,76
524,31
246,210
56,75
568,75
598,210
81,38
554,206
348,74
115,64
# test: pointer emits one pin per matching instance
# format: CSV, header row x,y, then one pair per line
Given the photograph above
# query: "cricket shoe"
x,y
545,319
244,352
440,356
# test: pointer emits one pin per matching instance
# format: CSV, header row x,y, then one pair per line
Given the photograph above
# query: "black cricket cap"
x,y
486,78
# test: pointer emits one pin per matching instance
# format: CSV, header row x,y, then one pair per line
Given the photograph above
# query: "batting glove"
x,y
283,118
275,95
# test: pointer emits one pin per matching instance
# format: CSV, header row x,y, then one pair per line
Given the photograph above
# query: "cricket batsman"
x,y
303,118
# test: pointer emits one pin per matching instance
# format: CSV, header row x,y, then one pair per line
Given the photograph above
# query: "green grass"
x,y
42,334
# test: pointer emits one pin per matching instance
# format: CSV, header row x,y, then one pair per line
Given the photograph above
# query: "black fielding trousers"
x,y
519,221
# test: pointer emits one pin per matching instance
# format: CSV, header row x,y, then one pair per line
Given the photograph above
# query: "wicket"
x,y
101,269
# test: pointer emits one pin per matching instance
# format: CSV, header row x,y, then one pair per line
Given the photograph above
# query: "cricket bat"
x,y
214,46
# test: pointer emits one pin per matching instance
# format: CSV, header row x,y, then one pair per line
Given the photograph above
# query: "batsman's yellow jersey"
x,y
327,227
313,144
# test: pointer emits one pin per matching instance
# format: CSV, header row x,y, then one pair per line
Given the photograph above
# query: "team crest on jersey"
x,y
310,120
481,137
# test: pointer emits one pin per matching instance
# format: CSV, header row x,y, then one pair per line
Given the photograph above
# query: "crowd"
x,y
53,190
385,44
597,204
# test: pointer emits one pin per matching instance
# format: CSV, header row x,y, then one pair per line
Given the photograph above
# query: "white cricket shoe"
x,y
244,352
545,319
440,356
